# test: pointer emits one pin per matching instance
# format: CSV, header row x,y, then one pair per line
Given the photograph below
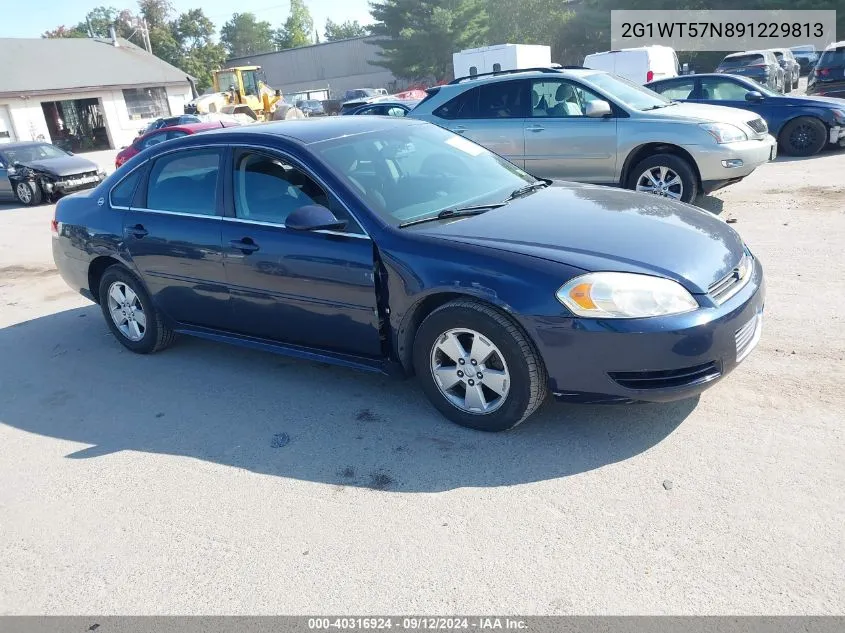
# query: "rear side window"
x,y
833,57
503,100
185,182
123,192
153,139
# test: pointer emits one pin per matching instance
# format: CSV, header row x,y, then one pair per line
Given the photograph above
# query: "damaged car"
x,y
35,172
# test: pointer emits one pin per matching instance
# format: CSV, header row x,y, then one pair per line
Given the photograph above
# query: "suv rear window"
x,y
833,57
742,60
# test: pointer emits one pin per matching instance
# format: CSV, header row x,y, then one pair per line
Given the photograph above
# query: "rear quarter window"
x,y
122,193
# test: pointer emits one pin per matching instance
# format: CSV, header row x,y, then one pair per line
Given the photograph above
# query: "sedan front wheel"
x,y
477,367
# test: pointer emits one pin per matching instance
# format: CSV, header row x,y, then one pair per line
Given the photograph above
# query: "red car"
x,y
165,134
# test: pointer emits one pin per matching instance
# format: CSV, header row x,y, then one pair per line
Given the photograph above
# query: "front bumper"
x,y
837,135
650,360
70,185
713,160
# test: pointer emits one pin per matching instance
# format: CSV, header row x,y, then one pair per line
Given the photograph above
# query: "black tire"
x,y
528,378
33,198
680,166
803,136
157,335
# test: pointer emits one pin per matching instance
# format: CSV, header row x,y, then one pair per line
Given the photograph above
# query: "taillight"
x,y
649,75
54,226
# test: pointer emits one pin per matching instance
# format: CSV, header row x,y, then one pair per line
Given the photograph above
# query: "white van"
x,y
640,65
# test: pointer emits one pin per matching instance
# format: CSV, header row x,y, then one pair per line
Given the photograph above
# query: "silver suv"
x,y
591,126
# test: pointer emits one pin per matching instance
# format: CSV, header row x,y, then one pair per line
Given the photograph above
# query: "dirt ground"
x,y
210,479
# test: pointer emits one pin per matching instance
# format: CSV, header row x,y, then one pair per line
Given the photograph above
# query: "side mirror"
x,y
753,96
598,109
313,218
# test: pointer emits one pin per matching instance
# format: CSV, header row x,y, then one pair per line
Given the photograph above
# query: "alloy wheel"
x,y
126,311
802,137
470,371
662,181
24,192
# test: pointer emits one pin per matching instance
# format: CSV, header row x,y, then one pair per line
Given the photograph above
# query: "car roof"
x,y
307,131
759,51
530,74
190,128
18,144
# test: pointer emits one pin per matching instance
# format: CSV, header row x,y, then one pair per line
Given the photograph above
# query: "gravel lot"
x,y
210,479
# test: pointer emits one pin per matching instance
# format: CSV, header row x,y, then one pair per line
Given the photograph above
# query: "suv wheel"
x,y
665,175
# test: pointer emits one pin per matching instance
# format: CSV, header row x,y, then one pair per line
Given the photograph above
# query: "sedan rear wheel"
x,y
130,313
665,175
477,367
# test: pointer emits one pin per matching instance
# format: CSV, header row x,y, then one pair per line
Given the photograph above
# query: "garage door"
x,y
7,134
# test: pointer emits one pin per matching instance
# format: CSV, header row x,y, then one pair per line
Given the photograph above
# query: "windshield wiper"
x,y
516,193
457,212
660,105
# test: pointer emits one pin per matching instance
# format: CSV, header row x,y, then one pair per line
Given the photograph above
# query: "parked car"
x,y
382,108
791,68
806,56
32,172
640,65
592,126
358,94
170,121
311,107
165,134
761,66
802,125
827,79
391,245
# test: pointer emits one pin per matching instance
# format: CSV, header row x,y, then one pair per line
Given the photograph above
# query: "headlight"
x,y
725,132
839,116
624,296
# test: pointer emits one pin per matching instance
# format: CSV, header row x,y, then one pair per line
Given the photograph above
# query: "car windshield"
x,y
629,93
411,172
741,60
833,57
29,153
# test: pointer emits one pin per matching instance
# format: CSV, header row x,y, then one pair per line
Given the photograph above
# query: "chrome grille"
x,y
746,337
735,281
759,126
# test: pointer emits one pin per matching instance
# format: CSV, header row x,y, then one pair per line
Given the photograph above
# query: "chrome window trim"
x,y
178,213
283,226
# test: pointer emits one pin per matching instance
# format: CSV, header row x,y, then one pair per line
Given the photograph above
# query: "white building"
x,y
84,94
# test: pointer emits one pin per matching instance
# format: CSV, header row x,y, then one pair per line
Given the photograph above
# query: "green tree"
x,y
63,31
100,20
418,37
244,35
297,28
334,31
200,54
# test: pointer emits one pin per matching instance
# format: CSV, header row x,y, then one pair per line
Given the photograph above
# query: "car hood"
x,y
704,113
831,102
604,229
62,166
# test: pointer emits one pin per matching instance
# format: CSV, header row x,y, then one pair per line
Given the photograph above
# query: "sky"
x,y
31,19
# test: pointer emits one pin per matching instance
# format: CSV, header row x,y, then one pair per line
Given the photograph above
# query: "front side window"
x,y
560,99
185,182
676,89
416,171
146,103
268,189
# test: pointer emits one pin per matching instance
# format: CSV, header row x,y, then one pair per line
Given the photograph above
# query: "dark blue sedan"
x,y
802,125
380,108
396,246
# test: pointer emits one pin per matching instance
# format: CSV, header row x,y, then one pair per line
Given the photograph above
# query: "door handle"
x,y
138,231
245,245
536,128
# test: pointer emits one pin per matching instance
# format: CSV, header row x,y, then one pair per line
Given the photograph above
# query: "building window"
x,y
146,103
